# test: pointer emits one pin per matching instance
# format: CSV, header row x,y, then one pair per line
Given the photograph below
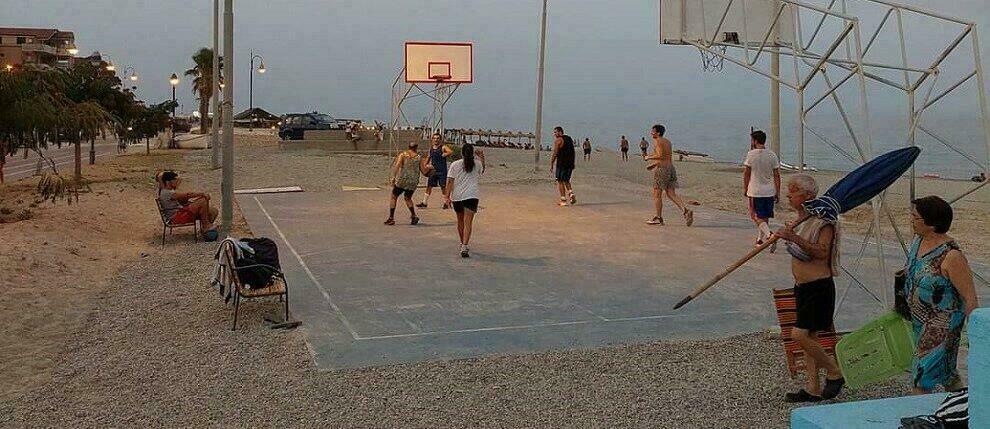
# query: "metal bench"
x,y
278,286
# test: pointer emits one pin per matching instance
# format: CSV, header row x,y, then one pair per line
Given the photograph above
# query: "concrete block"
x,y
979,368
876,414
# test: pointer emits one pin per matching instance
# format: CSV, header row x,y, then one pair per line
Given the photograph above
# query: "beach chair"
x,y
783,300
278,286
167,224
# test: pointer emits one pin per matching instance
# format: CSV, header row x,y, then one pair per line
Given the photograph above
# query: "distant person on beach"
x,y
643,146
562,165
404,180
463,193
814,249
624,148
439,153
586,146
980,178
664,177
186,207
761,184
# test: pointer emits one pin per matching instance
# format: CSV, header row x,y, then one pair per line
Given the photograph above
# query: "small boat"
x,y
932,176
688,156
789,167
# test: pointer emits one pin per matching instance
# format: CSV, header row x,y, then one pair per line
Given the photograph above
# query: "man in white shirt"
x,y
761,183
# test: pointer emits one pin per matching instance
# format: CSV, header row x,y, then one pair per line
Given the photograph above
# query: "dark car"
x,y
293,126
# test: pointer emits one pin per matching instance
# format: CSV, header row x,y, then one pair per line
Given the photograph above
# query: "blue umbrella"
x,y
858,187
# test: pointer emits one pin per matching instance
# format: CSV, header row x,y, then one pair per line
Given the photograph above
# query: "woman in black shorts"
x,y
462,192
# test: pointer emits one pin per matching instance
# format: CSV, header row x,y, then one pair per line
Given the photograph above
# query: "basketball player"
x,y
562,160
761,184
439,153
664,177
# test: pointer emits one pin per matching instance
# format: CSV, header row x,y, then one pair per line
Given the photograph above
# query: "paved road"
x,y
18,168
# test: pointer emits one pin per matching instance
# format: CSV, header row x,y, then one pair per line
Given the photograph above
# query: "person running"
x,y
463,193
814,248
643,146
563,160
404,180
761,184
439,153
624,148
587,149
664,177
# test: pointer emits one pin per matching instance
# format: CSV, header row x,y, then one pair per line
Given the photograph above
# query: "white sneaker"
x,y
465,253
563,203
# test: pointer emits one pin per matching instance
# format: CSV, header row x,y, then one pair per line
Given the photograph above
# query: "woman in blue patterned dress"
x,y
940,293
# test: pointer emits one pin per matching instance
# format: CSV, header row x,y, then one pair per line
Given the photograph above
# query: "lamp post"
x,y
133,77
215,99
261,70
174,80
227,182
539,89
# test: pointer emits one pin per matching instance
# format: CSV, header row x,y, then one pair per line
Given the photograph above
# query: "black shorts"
x,y
564,174
587,151
815,302
470,204
399,191
625,149
436,181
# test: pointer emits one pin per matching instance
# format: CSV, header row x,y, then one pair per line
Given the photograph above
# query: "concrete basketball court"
x,y
541,277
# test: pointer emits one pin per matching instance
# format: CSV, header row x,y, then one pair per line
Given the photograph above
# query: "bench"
x,y
278,286
168,225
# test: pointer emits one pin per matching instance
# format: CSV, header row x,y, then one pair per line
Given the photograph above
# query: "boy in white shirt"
x,y
761,184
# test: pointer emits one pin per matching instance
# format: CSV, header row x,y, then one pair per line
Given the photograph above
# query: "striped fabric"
x,y
954,411
783,300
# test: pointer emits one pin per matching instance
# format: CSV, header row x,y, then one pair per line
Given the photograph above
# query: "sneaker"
x,y
657,220
833,388
421,206
689,217
446,206
801,396
573,199
562,203
390,221
414,220
465,253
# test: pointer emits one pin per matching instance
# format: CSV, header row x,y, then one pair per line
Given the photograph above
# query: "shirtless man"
x,y
813,246
624,148
664,177
587,149
643,146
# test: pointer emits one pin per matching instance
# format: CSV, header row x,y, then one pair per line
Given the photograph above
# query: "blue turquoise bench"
x,y
887,413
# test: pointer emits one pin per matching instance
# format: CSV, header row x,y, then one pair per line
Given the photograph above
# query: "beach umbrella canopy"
x,y
856,188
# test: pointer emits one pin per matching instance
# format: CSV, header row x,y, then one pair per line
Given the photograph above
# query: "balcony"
x,y
39,48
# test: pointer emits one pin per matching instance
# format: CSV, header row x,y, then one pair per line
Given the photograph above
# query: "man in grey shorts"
x,y
664,177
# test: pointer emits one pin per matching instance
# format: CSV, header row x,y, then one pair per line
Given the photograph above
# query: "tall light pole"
x,y
227,183
539,88
174,81
215,99
261,70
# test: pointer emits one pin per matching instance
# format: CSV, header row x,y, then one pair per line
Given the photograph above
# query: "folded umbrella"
x,y
858,187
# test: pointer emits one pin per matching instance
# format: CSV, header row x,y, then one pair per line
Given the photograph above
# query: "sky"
x,y
606,74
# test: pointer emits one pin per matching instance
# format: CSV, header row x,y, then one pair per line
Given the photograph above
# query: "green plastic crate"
x,y
876,352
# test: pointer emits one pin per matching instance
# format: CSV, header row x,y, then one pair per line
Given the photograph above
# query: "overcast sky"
x,y
605,73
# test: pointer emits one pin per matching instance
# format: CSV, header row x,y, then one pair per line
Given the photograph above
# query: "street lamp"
x,y
133,77
174,80
110,66
261,70
10,68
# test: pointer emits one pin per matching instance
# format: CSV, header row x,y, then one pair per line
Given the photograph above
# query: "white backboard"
x,y
433,62
746,22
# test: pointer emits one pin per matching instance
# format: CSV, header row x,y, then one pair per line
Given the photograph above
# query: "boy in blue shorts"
x,y
761,184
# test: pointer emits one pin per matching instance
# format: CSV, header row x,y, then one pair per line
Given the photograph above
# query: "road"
x,y
18,168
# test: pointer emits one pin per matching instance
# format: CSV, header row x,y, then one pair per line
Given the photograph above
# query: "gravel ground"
x,y
157,351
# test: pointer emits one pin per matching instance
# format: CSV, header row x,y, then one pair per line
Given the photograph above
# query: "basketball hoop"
x,y
440,78
710,62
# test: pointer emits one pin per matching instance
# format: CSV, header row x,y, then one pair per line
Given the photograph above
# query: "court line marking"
x,y
323,290
543,325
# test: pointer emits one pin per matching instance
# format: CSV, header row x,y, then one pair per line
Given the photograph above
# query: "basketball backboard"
x,y
439,62
746,22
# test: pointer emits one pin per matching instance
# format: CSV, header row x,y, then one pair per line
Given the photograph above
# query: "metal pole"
x,y
227,185
251,93
539,89
910,98
215,100
171,142
775,103
984,110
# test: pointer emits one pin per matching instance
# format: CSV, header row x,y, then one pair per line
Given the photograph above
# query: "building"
x,y
36,46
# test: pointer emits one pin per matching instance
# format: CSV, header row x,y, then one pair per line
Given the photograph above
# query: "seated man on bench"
x,y
186,207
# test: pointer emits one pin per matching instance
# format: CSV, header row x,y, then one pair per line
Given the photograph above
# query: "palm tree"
x,y
202,75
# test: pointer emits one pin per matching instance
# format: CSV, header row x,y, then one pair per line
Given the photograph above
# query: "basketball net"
x,y
711,62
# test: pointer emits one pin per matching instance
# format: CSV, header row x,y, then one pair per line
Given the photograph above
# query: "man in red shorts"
x,y
186,207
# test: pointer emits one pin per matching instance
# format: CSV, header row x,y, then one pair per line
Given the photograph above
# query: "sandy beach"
x,y
107,328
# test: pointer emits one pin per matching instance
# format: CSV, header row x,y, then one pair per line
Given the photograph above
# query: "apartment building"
x,y
36,46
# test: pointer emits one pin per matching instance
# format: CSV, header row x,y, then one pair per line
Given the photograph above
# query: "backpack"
x,y
266,253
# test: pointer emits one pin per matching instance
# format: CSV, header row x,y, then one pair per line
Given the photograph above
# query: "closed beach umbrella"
x,y
856,188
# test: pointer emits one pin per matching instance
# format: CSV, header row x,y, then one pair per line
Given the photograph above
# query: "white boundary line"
x,y
326,294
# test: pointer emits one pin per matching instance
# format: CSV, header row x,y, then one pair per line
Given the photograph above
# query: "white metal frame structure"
x,y
851,63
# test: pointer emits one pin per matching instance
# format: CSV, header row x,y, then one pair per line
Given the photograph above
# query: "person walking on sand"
x,y
404,180
664,177
562,165
643,146
624,148
439,153
587,149
814,249
463,193
761,184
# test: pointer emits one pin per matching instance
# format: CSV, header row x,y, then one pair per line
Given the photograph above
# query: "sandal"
x,y
689,217
801,396
390,221
657,220
833,388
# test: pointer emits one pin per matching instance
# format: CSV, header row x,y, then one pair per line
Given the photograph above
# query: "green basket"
x,y
876,352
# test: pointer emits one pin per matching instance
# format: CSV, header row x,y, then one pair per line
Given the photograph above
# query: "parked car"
x,y
294,125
